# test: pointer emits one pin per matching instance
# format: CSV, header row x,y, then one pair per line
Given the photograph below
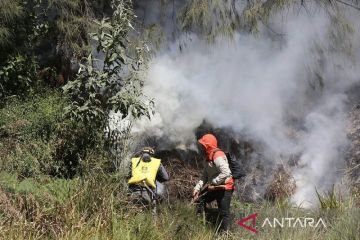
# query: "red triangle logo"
x,y
251,227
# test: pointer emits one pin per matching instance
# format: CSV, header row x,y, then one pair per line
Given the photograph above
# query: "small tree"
x,y
113,84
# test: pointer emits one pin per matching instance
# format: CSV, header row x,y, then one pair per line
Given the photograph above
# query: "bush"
x,y
18,76
26,132
29,159
36,117
78,149
37,139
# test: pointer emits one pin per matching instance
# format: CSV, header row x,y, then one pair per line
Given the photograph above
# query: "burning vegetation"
x,y
81,81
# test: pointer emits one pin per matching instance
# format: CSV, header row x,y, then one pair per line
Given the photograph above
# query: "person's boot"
x,y
200,207
224,224
201,210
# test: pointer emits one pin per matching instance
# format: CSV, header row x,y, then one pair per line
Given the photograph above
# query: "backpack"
x,y
234,165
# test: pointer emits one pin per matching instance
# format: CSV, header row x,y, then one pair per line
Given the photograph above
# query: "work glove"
x,y
195,195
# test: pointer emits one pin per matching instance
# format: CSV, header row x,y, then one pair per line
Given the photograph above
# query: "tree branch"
x,y
348,4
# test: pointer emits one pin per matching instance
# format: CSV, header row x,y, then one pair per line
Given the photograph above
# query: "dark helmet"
x,y
147,153
148,150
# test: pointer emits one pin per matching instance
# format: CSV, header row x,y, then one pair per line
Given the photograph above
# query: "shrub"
x,y
18,76
37,139
35,117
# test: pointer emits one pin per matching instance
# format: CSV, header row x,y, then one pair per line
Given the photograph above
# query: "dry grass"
x,y
281,187
183,179
97,207
184,168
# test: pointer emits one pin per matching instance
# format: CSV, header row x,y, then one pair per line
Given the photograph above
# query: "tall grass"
x,y
96,207
330,200
36,139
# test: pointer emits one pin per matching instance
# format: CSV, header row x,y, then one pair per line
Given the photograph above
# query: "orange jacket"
x,y
217,169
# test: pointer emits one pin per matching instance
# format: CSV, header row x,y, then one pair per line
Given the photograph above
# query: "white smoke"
x,y
261,87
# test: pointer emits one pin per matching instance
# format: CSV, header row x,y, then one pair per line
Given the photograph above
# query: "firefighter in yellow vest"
x,y
148,176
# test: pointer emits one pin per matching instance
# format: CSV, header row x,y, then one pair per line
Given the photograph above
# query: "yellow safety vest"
x,y
144,171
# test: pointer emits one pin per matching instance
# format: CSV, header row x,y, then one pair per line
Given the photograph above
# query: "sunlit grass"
x,y
96,208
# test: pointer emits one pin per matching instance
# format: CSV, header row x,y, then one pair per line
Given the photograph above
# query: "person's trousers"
x,y
223,199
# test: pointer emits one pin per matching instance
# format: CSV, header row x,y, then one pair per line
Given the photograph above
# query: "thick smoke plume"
x,y
288,93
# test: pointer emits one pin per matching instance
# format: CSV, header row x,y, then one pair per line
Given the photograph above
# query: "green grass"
x,y
37,116
45,189
96,208
36,139
27,134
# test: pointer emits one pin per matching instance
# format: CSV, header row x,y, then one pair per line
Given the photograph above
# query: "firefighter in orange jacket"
x,y
217,176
